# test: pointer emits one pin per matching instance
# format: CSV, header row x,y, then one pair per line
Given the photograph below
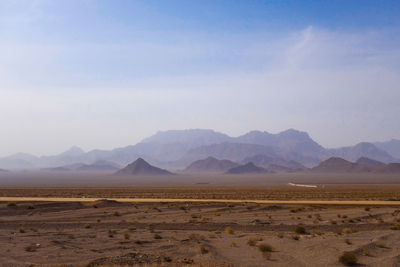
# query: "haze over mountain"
x,y
392,147
210,165
369,162
362,150
142,168
98,166
176,149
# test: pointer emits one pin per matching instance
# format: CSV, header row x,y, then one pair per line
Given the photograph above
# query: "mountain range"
x,y
362,165
176,149
98,166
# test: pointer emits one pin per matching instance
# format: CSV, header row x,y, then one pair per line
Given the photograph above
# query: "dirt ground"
x,y
109,233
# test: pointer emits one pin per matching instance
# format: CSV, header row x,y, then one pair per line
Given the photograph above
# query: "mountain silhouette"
x,y
339,165
369,162
141,167
210,164
246,168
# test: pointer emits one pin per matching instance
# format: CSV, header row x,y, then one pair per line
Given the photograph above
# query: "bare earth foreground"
x,y
221,230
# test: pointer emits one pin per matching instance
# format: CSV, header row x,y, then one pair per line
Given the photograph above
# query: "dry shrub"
x,y
265,247
157,236
253,241
203,249
348,259
380,244
131,228
229,230
347,231
296,237
395,226
87,226
127,236
300,230
31,248
11,204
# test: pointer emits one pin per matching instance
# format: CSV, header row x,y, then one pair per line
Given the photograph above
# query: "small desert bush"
x,y
234,244
217,214
229,230
117,213
31,248
395,226
203,249
297,209
111,233
131,228
367,209
21,230
253,241
348,242
380,244
11,204
347,231
87,226
348,259
30,207
265,247
300,230
157,236
295,237
127,236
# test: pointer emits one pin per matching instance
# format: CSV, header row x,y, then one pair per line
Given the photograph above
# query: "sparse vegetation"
x,y
380,244
348,259
127,236
253,241
31,248
203,249
229,230
11,204
300,230
347,231
157,236
265,247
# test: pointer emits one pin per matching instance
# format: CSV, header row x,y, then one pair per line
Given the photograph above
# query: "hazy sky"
x,y
104,74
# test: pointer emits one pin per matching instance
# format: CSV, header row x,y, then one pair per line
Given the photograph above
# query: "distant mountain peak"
x,y
73,151
142,167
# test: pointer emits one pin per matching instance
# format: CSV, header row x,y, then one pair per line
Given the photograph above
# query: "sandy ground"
x,y
111,233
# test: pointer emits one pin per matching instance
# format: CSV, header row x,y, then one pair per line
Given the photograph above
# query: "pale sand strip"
x,y
153,200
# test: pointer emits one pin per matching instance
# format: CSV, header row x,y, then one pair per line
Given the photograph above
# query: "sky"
x,y
106,74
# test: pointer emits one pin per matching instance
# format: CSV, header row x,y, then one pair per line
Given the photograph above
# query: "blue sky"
x,y
103,74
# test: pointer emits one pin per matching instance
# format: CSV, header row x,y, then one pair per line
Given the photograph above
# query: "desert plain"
x,y
220,222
